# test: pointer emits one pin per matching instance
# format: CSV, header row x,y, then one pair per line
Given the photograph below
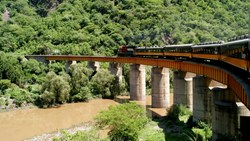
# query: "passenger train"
x,y
235,52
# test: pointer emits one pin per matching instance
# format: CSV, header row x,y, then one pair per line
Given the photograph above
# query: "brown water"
x,y
22,124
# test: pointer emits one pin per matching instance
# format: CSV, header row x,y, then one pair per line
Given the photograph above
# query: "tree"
x,y
55,89
101,84
33,68
10,67
43,6
80,82
124,121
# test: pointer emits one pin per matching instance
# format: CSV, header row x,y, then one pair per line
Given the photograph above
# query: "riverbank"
x,y
71,130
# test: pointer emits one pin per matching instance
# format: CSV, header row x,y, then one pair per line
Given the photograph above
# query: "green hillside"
x,y
101,26
97,27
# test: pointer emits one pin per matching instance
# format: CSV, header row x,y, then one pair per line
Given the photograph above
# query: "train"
x,y
235,52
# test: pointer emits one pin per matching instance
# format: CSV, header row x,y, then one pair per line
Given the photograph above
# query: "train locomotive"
x,y
235,52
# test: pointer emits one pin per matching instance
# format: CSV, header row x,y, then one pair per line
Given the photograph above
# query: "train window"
x,y
216,51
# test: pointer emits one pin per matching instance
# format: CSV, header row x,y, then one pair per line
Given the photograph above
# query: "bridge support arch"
x,y
137,82
160,90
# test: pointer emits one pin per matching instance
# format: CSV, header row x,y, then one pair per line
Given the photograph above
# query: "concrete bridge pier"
x,y
183,88
225,116
243,121
116,69
94,65
137,82
201,99
68,63
160,90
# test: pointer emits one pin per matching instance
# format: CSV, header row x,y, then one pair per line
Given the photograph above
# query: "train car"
x,y
207,51
149,51
178,51
236,52
126,51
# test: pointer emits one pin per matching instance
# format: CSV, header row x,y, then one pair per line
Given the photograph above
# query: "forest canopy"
x,y
98,27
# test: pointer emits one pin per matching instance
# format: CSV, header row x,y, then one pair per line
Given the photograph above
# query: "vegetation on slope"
x,y
100,26
97,27
31,82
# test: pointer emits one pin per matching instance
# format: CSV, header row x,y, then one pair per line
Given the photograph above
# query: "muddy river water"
x,y
22,124
26,123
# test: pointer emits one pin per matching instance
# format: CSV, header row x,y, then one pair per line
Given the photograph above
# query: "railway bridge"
x,y
214,94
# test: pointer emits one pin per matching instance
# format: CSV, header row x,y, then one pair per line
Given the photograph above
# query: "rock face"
x,y
6,16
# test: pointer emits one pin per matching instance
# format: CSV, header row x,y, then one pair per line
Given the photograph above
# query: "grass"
x,y
152,132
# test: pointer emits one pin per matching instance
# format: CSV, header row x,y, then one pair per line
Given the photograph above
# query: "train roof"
x,y
237,41
182,45
207,45
239,38
155,47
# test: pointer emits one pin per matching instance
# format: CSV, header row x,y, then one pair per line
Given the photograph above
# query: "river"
x,y
26,123
23,124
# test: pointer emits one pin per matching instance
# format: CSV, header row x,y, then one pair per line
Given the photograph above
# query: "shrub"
x,y
124,121
204,130
5,84
177,112
47,98
83,95
20,96
2,102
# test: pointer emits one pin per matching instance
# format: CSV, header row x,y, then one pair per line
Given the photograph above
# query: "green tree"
x,y
124,121
10,67
101,84
57,67
80,82
57,88
33,71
